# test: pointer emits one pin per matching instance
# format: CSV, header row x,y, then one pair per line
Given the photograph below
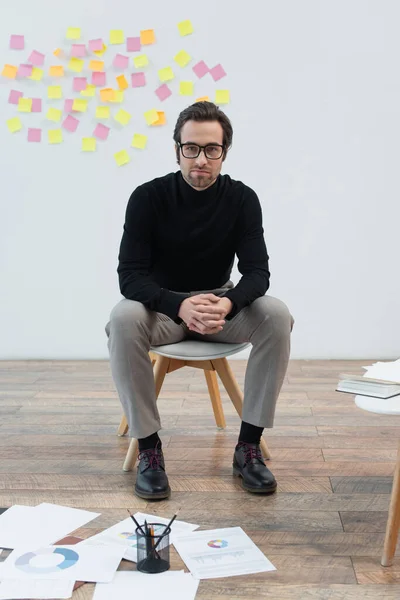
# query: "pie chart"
x,y
70,559
217,543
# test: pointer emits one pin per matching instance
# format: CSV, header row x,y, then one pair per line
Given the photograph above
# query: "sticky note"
x,y
121,62
163,92
122,158
122,117
141,61
107,95
56,71
25,105
79,84
36,74
185,27
96,65
79,105
96,44
14,96
186,88
36,105
78,50
14,124
101,131
54,114
217,72
89,91
166,74
222,97
138,79
122,82
55,136
73,33
151,116
102,112
139,141
36,58
9,71
147,37
34,135
17,42
58,52
203,99
25,70
89,144
70,123
133,44
100,52
99,78
161,120
54,92
117,36
200,69
68,105
76,64
182,58
118,96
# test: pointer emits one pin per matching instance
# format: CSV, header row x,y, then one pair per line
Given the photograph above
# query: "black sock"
x,y
250,433
149,442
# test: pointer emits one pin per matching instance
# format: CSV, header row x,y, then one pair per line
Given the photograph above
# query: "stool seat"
x,y
198,350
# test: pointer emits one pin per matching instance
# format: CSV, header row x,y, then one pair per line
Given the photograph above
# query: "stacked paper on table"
x,y
171,585
15,589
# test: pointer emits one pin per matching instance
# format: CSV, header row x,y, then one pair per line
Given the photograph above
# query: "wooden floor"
x,y
324,528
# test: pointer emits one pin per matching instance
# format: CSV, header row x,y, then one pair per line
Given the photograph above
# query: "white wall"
x,y
315,108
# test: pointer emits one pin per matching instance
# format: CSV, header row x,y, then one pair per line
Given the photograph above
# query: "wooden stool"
x,y
209,356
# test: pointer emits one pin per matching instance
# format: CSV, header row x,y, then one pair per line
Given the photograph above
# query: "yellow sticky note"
x,y
121,157
107,95
139,141
89,91
96,65
56,71
186,88
102,112
73,33
151,116
185,27
117,36
25,105
147,37
76,64
89,144
55,136
166,74
222,96
182,58
123,117
14,124
36,74
10,71
58,52
140,61
100,52
54,92
122,82
54,114
203,99
79,105
118,96
161,120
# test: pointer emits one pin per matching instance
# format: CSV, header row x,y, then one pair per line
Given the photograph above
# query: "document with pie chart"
x,y
221,553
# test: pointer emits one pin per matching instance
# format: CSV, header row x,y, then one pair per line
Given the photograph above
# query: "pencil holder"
x,y
153,548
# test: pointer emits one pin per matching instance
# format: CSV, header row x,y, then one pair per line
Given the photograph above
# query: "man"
x,y
181,234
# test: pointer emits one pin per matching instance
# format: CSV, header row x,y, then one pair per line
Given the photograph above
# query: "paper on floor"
x,y
33,589
388,371
171,585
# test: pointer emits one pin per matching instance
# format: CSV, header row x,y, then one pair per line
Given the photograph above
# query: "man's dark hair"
x,y
204,111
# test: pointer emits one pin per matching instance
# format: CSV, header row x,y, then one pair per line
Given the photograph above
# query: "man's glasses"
x,y
211,151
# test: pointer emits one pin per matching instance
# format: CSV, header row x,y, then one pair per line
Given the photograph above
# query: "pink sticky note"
x,y
17,42
68,105
163,92
36,105
200,69
80,83
78,50
217,72
34,135
95,45
133,44
101,131
99,78
14,95
36,58
121,62
138,79
70,123
25,70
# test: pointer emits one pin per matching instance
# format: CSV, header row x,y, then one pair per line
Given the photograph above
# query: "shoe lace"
x,y
251,452
152,457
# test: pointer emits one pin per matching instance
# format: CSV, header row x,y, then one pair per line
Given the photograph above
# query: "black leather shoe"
x,y
249,465
151,480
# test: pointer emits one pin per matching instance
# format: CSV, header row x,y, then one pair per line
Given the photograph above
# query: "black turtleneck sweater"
x,y
177,240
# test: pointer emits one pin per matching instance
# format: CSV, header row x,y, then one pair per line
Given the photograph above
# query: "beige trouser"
x,y
132,329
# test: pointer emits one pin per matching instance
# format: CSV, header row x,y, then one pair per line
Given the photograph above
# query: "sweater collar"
x,y
204,195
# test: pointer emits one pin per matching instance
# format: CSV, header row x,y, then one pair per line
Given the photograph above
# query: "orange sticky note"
x,y
203,99
10,71
56,71
147,37
58,52
122,82
107,95
96,65
161,118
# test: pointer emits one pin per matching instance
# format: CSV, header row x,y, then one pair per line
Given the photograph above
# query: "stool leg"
x,y
393,522
225,372
123,426
131,455
215,396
